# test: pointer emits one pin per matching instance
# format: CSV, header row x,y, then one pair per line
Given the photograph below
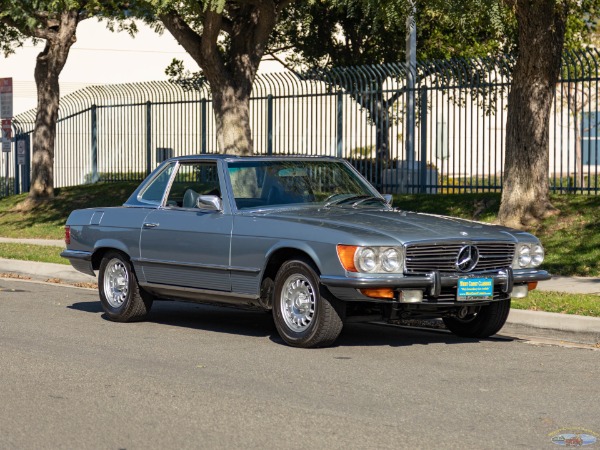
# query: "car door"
x,y
182,245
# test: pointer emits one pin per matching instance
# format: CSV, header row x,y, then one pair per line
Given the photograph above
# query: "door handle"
x,y
150,225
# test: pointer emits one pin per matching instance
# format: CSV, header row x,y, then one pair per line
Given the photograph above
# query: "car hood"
x,y
402,226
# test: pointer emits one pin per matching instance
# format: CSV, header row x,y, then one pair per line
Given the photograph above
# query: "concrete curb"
x,y
583,328
44,271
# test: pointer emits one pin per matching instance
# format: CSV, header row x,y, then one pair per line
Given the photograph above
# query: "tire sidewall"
x,y
287,269
119,313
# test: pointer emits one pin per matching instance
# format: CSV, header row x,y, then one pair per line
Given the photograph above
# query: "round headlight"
x,y
390,260
366,260
524,256
537,255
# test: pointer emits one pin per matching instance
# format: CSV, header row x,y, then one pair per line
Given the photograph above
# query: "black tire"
x,y
485,323
319,324
125,301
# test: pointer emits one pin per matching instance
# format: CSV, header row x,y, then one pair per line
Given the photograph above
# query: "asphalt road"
x,y
202,377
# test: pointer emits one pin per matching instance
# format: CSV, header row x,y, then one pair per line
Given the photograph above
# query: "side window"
x,y
153,193
191,181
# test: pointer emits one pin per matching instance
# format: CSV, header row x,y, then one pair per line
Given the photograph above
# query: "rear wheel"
x,y
121,297
305,315
485,323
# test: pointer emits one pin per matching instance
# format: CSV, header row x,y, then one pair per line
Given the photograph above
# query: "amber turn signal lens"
x,y
531,285
346,256
378,293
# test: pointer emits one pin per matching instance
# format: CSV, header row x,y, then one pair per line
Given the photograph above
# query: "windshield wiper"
x,y
356,198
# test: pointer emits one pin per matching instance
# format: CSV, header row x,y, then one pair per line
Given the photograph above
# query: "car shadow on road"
x,y
199,317
371,334
90,307
260,324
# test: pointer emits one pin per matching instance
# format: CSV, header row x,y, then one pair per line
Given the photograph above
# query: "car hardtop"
x,y
237,158
133,200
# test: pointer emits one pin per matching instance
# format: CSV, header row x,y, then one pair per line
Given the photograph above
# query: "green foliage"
x,y
32,19
358,32
558,302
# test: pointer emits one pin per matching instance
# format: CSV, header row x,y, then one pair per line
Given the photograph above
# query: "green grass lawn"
x,y
27,252
571,239
558,302
48,219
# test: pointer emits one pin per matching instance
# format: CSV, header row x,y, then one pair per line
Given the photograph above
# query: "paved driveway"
x,y
202,377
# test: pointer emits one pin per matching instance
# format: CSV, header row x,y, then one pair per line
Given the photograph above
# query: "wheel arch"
x,y
277,256
104,246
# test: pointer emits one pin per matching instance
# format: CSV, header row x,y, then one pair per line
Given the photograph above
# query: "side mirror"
x,y
389,198
209,203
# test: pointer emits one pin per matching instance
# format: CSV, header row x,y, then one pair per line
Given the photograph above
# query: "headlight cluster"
x,y
528,255
371,259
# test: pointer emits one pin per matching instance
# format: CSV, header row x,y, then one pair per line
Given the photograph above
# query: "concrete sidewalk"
x,y
46,242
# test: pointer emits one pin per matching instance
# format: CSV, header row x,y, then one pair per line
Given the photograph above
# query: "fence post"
x,y
17,181
94,149
203,123
269,124
27,179
340,123
423,132
148,137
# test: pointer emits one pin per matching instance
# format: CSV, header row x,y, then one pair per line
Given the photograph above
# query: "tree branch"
x,y
181,31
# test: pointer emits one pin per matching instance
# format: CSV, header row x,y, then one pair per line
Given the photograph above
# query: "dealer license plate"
x,y
475,289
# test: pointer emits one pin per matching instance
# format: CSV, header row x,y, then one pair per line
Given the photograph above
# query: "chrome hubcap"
x,y
297,302
116,283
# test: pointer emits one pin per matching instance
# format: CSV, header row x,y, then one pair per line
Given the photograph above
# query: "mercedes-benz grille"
x,y
423,258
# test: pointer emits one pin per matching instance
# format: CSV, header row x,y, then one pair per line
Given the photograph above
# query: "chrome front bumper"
x,y
433,282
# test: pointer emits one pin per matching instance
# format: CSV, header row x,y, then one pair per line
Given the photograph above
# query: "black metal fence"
x,y
444,136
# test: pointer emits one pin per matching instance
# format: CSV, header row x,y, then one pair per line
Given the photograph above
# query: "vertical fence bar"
x,y
340,124
423,132
269,125
148,137
203,124
94,144
27,166
17,181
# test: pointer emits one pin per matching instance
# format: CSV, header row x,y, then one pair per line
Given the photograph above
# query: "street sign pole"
x,y
6,114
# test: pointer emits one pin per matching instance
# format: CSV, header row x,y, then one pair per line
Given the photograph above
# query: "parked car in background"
x,y
306,238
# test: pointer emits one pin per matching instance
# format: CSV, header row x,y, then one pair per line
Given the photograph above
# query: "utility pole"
x,y
411,75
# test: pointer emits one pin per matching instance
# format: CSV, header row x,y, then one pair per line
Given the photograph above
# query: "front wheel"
x,y
485,323
304,315
121,297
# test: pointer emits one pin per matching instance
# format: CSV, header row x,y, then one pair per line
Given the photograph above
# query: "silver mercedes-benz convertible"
x,y
306,238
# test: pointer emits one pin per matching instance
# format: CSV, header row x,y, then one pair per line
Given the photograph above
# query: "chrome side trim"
x,y
198,291
196,265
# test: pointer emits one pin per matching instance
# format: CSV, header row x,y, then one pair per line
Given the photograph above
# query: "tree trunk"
x,y
525,194
230,73
232,117
49,65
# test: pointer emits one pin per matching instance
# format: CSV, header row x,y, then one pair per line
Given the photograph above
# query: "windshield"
x,y
259,184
